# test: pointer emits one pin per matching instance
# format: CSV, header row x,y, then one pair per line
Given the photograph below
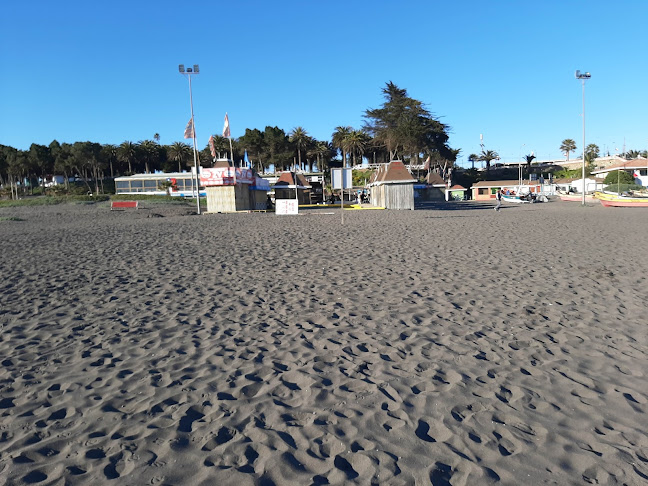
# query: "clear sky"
x,y
107,72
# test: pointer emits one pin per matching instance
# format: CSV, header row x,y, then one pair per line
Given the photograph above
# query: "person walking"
x,y
499,200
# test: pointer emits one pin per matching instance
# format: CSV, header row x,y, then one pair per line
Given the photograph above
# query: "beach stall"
x,y
433,189
392,186
288,183
232,189
456,193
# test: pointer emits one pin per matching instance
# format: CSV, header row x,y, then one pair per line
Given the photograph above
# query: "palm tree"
x,y
181,153
150,152
338,137
356,143
110,153
473,158
156,137
127,152
299,137
567,146
529,158
488,156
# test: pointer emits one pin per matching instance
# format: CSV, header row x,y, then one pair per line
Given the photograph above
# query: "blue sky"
x,y
108,72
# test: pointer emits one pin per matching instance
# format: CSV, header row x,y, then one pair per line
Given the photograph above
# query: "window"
x,y
484,191
150,185
643,172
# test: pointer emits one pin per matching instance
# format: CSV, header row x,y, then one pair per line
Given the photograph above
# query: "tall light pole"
x,y
188,72
583,77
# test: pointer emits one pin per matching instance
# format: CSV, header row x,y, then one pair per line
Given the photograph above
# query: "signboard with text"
x,y
341,178
287,206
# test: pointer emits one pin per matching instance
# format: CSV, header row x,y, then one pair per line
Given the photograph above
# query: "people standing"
x,y
499,200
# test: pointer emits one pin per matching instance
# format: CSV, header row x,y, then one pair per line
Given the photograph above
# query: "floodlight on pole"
x,y
188,72
583,77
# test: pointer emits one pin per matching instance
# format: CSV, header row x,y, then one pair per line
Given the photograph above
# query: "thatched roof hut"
x,y
392,186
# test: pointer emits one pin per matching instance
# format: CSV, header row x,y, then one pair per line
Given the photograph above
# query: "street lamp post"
x,y
583,77
188,72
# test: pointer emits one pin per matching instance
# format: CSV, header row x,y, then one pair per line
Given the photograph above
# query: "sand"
x,y
453,345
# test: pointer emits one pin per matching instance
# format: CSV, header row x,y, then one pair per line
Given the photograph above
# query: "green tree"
x,y
356,143
404,126
86,159
472,158
299,137
150,152
528,159
109,154
254,143
567,146
620,176
278,149
591,152
64,163
338,138
41,161
127,153
488,156
179,152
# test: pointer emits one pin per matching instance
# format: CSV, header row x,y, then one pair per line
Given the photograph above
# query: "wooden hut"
x,y
232,189
288,183
392,186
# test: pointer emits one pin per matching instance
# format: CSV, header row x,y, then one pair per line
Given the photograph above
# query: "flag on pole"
x,y
226,128
211,146
427,163
246,160
189,131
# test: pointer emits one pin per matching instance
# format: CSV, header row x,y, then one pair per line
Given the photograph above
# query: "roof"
x,y
569,180
222,163
434,179
505,183
457,187
628,165
391,173
291,179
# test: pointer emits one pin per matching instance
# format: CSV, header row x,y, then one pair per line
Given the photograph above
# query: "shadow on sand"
x,y
454,205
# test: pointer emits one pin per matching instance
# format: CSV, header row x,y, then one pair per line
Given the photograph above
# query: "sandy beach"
x,y
447,346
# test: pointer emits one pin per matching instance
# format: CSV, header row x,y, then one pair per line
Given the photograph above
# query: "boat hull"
x,y
611,200
578,198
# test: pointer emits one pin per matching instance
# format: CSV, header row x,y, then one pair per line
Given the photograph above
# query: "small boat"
x,y
615,200
589,198
524,198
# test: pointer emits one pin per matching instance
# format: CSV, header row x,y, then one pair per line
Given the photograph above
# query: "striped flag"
x,y
189,131
226,128
211,146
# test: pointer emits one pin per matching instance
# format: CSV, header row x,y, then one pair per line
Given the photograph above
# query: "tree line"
x,y
401,128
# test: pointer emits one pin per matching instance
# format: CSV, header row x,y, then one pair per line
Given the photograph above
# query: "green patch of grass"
x,y
10,218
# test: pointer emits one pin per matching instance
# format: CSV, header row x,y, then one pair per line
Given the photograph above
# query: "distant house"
x,y
637,167
288,183
487,190
433,189
230,189
575,184
456,193
392,186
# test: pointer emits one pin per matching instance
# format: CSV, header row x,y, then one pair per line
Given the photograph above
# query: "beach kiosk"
x,y
392,186
231,189
288,183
